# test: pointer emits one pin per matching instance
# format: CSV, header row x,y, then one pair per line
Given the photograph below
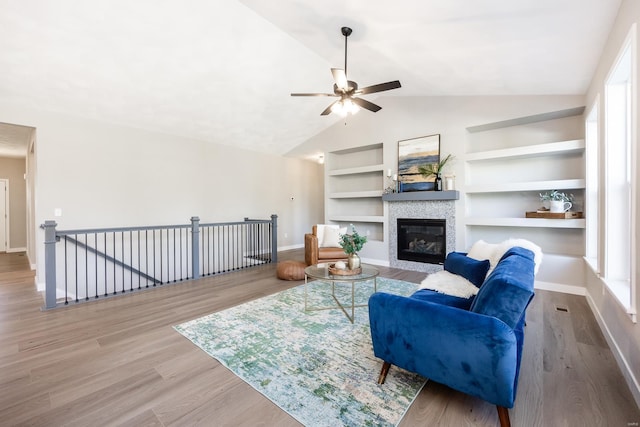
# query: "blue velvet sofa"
x,y
473,345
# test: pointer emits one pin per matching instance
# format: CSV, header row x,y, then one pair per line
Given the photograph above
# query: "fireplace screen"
x,y
422,240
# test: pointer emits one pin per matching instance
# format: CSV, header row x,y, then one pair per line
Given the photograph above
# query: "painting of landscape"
x,y
413,153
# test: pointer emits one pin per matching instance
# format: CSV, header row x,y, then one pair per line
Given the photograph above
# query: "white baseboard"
x,y
290,247
560,287
14,250
627,373
372,261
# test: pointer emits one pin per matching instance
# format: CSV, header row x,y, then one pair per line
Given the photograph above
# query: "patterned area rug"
x,y
315,365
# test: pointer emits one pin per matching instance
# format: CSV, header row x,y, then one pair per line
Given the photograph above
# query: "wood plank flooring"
x,y
119,362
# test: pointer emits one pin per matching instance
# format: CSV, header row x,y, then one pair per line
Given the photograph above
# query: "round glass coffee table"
x,y
321,272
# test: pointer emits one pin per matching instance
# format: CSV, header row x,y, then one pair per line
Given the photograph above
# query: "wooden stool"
x,y
291,270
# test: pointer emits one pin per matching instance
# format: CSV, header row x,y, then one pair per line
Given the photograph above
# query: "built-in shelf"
x,y
525,222
356,218
354,179
357,170
507,164
356,194
421,196
534,118
560,184
549,149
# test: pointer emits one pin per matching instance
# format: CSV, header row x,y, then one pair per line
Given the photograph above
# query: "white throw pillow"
x,y
523,243
320,228
331,238
482,250
448,283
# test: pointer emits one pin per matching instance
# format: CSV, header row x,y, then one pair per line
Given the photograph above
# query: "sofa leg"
x,y
503,415
384,372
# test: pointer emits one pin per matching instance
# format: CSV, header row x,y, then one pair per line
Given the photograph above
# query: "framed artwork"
x,y
413,153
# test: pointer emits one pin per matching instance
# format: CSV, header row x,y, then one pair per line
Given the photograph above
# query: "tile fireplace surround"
x,y
417,205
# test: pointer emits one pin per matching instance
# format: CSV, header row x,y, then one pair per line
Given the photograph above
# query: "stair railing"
x,y
88,264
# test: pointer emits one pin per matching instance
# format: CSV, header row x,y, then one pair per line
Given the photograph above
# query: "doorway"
x,y
4,207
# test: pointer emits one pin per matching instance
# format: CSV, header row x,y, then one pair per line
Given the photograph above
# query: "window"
x,y
619,227
592,204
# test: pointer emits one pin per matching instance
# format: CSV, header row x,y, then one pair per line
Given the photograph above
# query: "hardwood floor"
x,y
119,362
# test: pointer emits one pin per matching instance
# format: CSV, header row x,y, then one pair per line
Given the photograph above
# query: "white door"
x,y
3,215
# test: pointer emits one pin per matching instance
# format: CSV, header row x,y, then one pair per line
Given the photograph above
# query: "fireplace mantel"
x,y
421,196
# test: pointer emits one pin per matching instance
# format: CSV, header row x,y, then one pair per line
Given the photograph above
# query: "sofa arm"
x,y
470,352
311,249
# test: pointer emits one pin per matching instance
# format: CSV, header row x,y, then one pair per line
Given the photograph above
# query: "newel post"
x,y
50,264
195,244
274,238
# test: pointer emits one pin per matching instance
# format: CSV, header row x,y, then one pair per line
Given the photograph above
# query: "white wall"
x,y
622,333
100,174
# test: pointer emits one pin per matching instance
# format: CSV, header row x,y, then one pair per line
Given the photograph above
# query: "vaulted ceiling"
x,y
222,71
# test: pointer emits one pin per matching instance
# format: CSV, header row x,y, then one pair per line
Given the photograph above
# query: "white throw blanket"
x,y
450,284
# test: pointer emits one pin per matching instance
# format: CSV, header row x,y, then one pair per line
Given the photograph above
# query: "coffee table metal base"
x,y
339,305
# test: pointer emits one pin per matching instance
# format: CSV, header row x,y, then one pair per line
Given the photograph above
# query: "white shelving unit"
x,y
504,182
354,179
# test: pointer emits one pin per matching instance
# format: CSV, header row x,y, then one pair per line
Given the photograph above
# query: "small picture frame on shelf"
x,y
413,153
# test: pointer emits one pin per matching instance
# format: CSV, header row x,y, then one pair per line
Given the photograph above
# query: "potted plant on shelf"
x,y
431,169
558,201
352,244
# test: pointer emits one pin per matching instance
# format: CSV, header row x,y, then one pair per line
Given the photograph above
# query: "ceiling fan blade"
x,y
366,104
340,77
313,94
327,110
379,87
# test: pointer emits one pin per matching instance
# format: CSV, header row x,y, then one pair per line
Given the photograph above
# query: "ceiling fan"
x,y
347,90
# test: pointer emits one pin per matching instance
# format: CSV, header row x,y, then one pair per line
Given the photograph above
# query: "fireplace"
x,y
422,240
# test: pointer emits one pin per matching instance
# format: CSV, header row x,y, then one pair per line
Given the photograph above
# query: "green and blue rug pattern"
x,y
315,365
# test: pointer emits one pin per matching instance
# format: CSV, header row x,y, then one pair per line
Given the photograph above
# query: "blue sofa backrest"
x,y
507,291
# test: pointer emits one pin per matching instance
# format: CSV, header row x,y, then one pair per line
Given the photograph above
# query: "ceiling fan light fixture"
x,y
350,106
345,107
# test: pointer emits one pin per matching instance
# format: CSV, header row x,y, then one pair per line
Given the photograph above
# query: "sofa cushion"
x,y
508,289
331,253
471,269
439,298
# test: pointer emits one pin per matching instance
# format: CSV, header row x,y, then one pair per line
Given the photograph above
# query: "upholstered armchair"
x,y
473,345
321,245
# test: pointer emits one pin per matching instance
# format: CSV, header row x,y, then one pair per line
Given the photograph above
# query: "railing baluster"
x,y
76,266
122,255
181,255
95,261
66,283
131,260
